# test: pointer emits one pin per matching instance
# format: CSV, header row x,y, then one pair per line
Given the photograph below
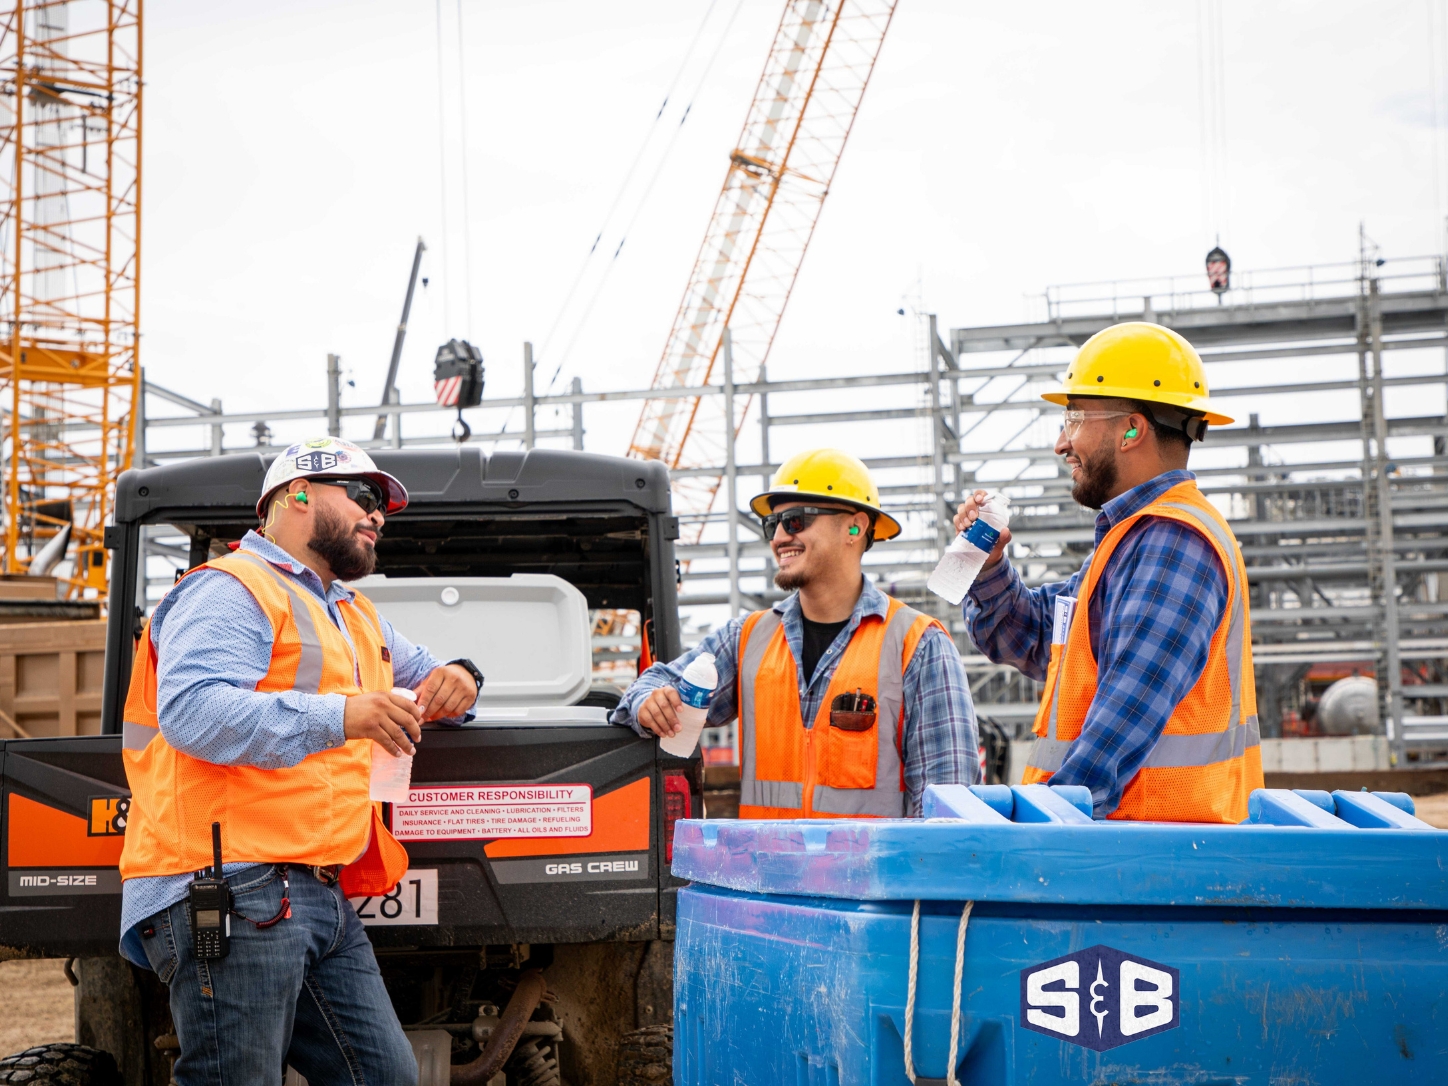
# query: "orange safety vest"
x,y
1209,756
790,771
315,812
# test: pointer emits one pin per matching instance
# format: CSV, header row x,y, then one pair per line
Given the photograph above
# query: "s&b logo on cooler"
x,y
317,461
1100,998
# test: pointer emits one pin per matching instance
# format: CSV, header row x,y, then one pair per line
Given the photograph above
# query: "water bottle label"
x,y
693,695
982,535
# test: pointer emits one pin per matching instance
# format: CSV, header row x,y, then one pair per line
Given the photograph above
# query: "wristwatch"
x,y
471,668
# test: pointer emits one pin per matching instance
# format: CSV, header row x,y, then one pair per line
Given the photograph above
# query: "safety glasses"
x,y
797,519
1071,421
365,493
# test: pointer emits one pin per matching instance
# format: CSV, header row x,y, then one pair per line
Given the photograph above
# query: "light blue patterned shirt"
x,y
941,745
213,645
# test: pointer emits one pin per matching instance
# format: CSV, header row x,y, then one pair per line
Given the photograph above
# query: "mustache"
x,y
366,526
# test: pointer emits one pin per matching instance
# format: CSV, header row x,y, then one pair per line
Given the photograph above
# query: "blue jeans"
x,y
305,992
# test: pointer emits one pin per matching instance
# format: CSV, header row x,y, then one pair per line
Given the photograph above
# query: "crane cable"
x,y
1437,56
467,218
1212,118
643,201
628,177
623,189
442,172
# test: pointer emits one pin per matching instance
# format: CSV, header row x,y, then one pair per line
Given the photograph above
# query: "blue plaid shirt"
x,y
1152,615
940,741
213,645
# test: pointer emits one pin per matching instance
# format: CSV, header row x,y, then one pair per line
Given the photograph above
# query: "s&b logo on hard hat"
x,y
1100,998
317,461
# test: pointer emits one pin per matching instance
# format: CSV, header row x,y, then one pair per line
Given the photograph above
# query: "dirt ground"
x,y
35,1004
35,997
1433,809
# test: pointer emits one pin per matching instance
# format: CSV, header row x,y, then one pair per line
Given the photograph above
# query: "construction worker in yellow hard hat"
x,y
1146,651
849,703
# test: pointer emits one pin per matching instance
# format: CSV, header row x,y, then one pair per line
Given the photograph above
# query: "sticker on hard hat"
x,y
317,461
1100,998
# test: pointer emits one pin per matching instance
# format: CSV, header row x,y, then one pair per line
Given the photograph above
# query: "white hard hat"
x,y
329,457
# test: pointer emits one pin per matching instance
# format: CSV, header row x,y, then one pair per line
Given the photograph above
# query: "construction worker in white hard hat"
x,y
1146,651
263,688
849,703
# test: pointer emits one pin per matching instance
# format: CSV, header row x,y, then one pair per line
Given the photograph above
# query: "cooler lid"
x,y
529,633
1035,843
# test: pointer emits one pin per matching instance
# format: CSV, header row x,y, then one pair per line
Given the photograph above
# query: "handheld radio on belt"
x,y
211,907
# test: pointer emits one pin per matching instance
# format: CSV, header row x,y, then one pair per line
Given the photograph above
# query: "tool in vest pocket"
x,y
853,712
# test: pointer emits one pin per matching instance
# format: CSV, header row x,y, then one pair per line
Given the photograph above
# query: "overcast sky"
x,y
294,151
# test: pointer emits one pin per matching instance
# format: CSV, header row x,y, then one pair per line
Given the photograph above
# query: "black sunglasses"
x,y
367,494
798,519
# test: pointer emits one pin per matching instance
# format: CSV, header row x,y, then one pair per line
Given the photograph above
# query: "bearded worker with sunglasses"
x,y
1146,651
849,703
261,688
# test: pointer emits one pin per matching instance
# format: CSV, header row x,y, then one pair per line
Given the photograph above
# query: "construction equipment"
x,y
497,558
780,172
389,389
70,191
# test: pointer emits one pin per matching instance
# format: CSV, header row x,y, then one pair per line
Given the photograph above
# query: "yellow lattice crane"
x,y
70,187
779,173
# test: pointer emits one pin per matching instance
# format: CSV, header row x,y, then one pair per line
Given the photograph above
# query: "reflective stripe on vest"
x,y
315,812
854,774
309,667
1233,748
137,736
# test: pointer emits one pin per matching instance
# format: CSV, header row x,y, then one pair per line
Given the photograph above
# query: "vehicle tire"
x,y
60,1065
646,1057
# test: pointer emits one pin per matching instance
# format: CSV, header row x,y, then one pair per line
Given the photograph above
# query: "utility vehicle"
x,y
502,559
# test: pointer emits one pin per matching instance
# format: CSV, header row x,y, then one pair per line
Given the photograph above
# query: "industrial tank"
x,y
1350,707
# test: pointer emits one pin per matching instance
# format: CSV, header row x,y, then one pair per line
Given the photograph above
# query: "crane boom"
x,y
780,172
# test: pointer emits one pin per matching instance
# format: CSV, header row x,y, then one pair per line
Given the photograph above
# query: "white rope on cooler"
x,y
950,1078
910,991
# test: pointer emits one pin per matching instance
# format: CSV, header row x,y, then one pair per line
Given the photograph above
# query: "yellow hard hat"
x,y
828,475
1140,361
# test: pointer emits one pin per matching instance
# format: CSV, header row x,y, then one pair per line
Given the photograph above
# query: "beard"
x,y
1098,478
790,580
336,542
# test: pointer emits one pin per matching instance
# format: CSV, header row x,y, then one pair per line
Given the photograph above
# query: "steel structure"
x,y
1343,543
1331,506
70,179
780,172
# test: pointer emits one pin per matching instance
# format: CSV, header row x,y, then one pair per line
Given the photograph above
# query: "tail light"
x,y
677,804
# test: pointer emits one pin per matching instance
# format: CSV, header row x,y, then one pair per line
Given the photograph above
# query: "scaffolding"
x,y
1340,512
70,133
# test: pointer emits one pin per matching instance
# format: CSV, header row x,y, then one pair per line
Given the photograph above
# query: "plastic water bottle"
x,y
963,559
391,773
696,689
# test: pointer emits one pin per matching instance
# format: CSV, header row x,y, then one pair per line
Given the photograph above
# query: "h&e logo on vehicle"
x,y
108,816
1100,998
